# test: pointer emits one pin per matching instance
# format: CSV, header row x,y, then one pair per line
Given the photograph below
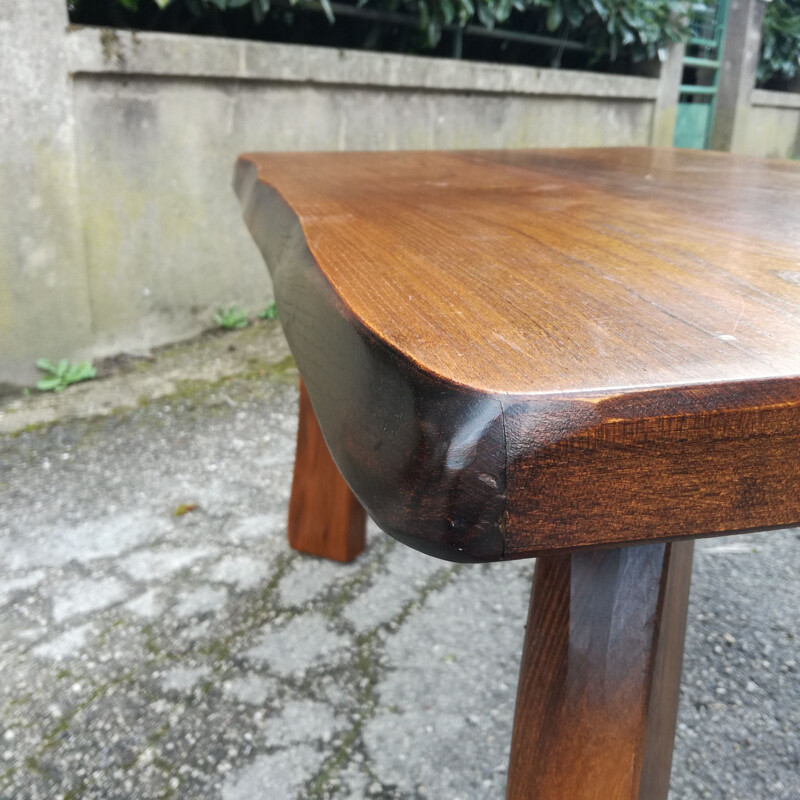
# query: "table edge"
x,y
453,494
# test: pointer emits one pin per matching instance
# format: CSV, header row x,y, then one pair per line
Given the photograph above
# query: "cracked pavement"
x,y
149,655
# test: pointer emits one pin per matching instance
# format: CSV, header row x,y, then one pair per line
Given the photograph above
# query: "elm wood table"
x,y
546,353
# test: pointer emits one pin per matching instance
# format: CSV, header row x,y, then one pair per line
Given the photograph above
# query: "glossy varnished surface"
x,y
516,352
561,271
600,675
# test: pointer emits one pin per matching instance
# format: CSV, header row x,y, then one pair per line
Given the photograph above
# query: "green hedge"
x,y
780,42
630,30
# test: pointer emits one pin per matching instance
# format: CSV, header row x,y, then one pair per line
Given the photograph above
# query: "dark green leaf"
x,y
601,10
448,11
485,16
554,17
326,7
574,14
259,9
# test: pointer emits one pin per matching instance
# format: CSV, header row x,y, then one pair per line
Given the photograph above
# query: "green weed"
x,y
63,374
231,318
270,312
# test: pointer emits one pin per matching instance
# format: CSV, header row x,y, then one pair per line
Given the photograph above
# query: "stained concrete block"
x,y
44,295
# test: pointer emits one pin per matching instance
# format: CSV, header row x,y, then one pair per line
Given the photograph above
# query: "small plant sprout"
x,y
231,318
61,375
270,312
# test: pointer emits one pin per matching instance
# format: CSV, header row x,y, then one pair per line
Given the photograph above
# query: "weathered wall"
x,y
738,74
124,233
44,298
748,120
771,126
160,120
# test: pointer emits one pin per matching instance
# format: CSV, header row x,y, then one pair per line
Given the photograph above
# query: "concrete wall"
x,y
738,74
44,294
748,120
771,126
160,120
118,150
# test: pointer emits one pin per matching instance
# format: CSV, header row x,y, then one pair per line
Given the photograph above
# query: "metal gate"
x,y
701,68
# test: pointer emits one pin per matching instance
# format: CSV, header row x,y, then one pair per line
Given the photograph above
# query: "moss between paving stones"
x,y
189,371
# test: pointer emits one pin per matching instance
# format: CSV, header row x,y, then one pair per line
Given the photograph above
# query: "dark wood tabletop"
x,y
517,352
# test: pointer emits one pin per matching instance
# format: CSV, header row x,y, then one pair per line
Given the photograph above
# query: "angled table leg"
x,y
325,518
600,676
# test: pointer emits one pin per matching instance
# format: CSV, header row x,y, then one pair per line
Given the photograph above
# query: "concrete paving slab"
x,y
149,655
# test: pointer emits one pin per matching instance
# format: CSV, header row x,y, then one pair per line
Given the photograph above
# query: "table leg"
x,y
598,693
325,518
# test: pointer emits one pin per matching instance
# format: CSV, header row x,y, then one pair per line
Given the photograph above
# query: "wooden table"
x,y
553,353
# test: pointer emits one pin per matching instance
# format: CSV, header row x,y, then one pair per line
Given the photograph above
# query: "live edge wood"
x,y
524,352
600,676
325,518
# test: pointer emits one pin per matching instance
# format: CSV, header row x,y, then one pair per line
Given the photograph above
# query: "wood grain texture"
x,y
325,518
519,352
600,675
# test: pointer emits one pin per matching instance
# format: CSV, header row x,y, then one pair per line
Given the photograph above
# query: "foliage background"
x,y
780,44
620,34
